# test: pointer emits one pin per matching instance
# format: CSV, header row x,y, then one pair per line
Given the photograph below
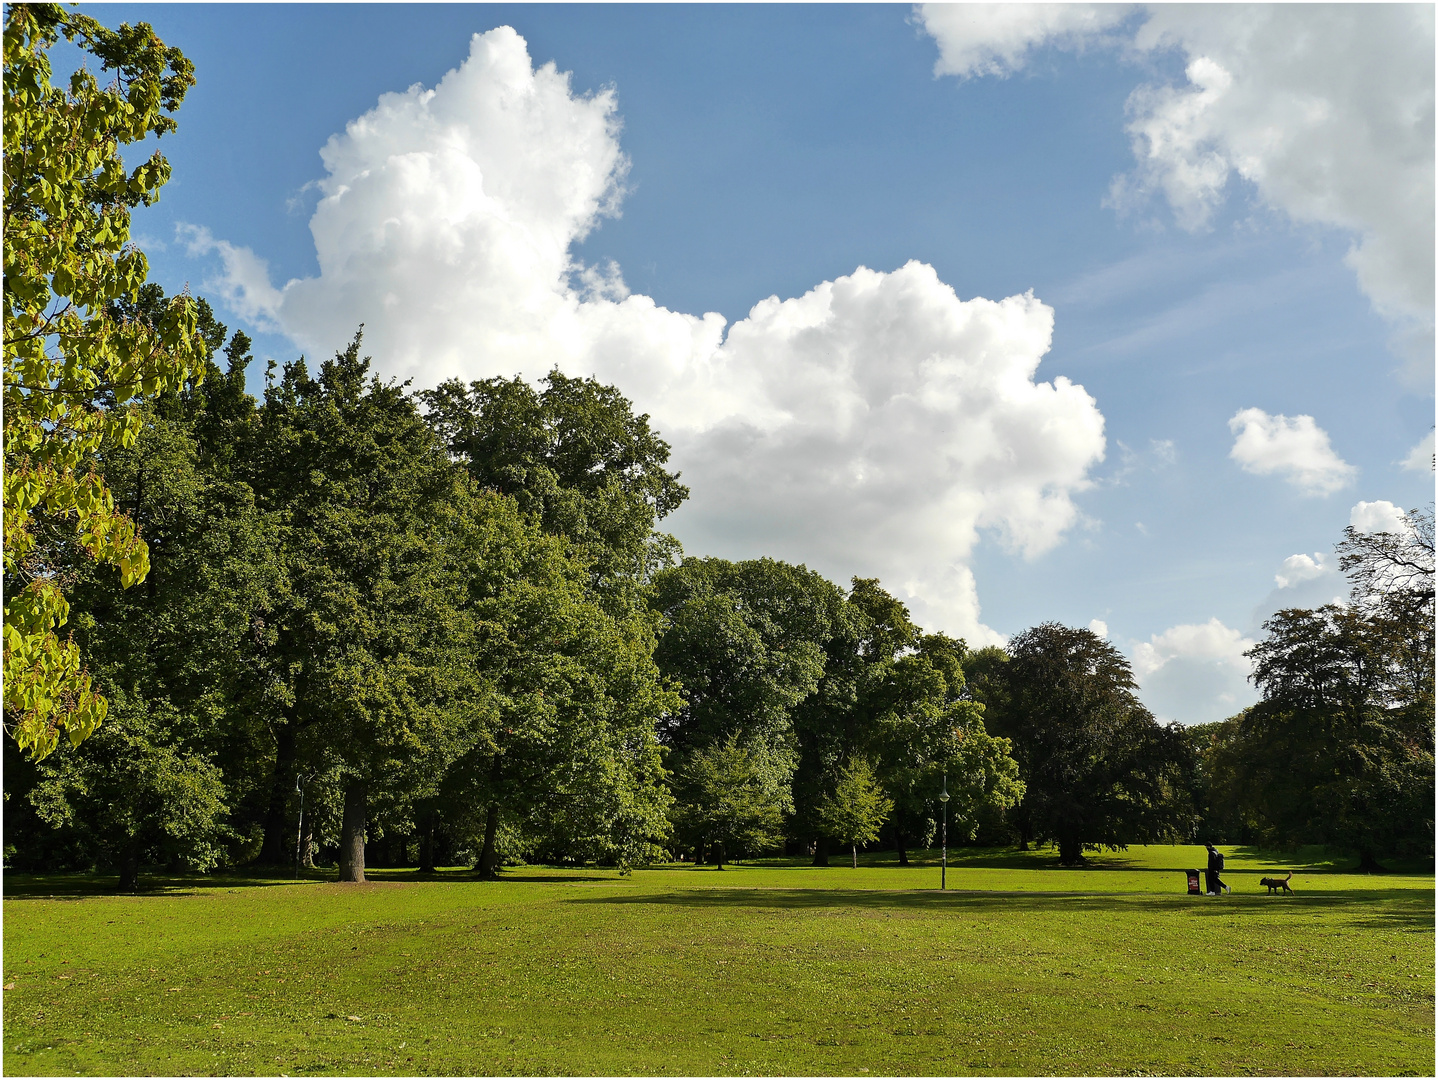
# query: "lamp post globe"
x,y
944,865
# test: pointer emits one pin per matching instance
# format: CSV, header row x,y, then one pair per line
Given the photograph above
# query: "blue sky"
x,y
876,423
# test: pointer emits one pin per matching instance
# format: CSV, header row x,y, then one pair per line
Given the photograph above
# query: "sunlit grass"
x,y
773,967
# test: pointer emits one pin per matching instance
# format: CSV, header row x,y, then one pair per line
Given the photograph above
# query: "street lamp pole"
x,y
300,825
944,866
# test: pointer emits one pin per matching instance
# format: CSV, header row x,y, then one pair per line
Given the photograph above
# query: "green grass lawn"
x,y
774,967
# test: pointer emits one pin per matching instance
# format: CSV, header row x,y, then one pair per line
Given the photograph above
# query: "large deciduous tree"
x,y
434,649
575,458
143,790
73,371
724,803
573,769
921,726
1099,771
369,651
570,763
745,643
897,697
170,654
870,630
1390,565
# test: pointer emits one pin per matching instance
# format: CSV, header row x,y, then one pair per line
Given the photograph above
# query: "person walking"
x,y
1214,884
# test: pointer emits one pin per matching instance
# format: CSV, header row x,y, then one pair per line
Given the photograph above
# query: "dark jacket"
x,y
1215,859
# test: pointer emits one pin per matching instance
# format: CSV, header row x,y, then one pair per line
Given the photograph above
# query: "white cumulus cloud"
x,y
1195,673
875,425
1099,627
1295,448
1326,110
1420,458
1300,568
996,39
1302,581
1378,516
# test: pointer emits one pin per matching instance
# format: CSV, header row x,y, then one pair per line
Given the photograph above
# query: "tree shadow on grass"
x,y
1400,909
532,874
1308,860
984,859
75,886
1311,859
1414,920
564,879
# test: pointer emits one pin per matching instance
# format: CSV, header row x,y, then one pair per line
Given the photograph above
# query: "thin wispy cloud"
x,y
1327,112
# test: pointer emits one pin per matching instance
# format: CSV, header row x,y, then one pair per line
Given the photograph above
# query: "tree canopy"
x,y
857,808
725,803
73,370
574,457
744,644
1099,770
1340,748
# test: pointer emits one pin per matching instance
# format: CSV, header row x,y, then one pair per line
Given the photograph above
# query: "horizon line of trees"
x,y
447,623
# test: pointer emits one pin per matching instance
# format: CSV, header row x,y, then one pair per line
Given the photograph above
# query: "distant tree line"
x,y
1340,749
447,625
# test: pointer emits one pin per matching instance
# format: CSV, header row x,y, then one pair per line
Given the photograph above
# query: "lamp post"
x,y
944,866
300,825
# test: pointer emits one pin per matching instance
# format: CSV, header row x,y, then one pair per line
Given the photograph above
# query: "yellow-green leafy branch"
x,y
73,369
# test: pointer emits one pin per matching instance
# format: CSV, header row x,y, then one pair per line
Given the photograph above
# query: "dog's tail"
x,y
1289,877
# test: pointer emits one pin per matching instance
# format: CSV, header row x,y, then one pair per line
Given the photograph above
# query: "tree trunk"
x,y
855,849
719,856
352,832
903,850
1070,851
130,869
1368,862
821,851
426,844
489,857
276,850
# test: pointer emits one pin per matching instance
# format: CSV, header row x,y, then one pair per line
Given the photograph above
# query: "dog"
x,y
1276,883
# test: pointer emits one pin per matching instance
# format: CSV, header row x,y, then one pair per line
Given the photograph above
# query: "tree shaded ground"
x,y
766,967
